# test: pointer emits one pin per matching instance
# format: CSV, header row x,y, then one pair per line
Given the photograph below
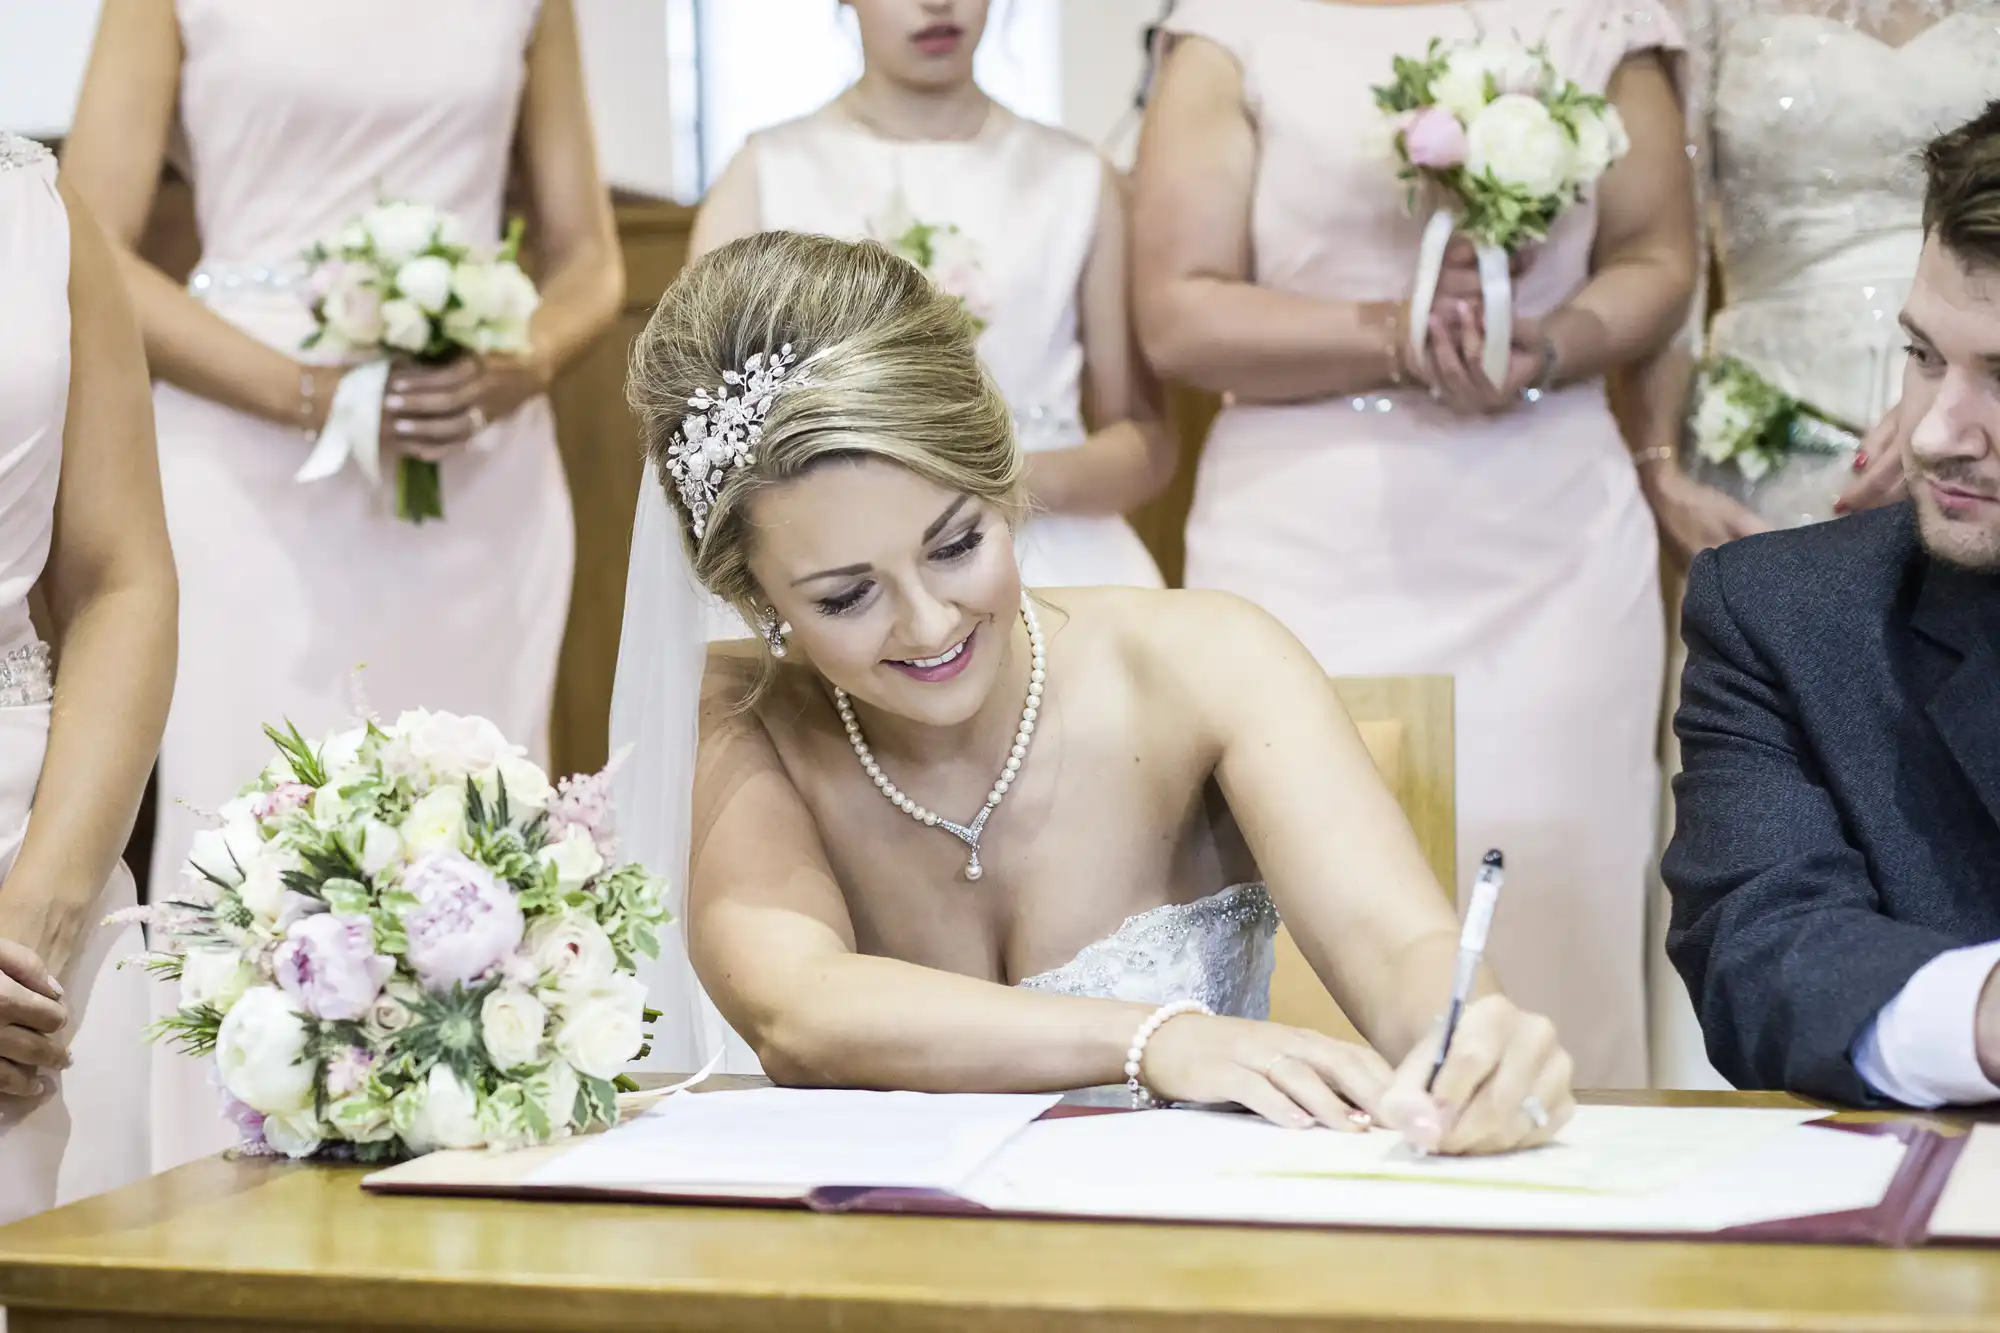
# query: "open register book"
x,y
1724,1173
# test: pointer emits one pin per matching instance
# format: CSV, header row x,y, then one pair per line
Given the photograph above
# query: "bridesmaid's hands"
x,y
432,411
1291,1076
1452,354
1505,1084
1693,517
32,1017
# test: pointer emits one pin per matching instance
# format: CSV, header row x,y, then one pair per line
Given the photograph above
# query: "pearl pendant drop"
x,y
1017,753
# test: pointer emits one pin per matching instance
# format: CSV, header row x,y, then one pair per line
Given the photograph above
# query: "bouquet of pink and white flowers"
x,y
948,257
1503,144
403,939
401,280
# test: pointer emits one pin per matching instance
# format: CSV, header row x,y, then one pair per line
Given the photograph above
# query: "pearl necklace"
x,y
969,834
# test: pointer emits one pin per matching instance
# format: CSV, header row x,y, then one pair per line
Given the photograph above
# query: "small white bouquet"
x,y
401,280
403,939
948,257
1741,419
1504,144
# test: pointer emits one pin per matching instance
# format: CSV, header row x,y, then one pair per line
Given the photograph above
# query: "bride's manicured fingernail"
x,y
1362,1118
1860,460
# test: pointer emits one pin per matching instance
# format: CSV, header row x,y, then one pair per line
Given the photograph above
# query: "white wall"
x,y
1102,62
44,45
626,67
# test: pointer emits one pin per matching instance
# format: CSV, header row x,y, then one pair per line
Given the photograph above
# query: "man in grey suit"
x,y
1835,866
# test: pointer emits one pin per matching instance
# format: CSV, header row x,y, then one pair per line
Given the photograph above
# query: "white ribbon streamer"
x,y
1496,289
353,426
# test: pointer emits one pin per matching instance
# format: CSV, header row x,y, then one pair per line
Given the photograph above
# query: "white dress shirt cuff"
x,y
1920,1049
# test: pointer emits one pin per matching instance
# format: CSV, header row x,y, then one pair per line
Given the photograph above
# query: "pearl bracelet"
x,y
1136,1052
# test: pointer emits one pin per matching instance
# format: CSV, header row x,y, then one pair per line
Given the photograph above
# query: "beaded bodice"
x,y
1218,950
1815,111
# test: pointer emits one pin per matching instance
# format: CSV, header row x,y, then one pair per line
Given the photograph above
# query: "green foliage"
x,y
193,1030
299,753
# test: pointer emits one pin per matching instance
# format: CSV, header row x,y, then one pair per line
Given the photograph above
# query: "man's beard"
x,y
1963,545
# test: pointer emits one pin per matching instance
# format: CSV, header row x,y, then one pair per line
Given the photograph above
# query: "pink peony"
x,y
1434,139
464,923
348,1070
329,966
249,1124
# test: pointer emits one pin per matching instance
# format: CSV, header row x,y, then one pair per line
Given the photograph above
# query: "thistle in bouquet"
x,y
401,283
948,257
403,938
1499,144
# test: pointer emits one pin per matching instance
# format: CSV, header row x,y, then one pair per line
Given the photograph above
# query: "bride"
x,y
838,467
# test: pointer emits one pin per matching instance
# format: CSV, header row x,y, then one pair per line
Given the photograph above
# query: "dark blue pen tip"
x,y
1494,860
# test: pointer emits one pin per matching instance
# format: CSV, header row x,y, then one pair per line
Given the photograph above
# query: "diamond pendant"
x,y
969,835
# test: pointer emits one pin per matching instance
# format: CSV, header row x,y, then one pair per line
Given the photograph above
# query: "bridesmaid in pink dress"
x,y
80,522
1494,534
290,120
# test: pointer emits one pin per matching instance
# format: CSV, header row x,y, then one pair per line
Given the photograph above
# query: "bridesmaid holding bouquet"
x,y
291,121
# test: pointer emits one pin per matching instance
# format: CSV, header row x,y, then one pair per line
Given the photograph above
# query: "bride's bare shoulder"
x,y
745,696
1175,635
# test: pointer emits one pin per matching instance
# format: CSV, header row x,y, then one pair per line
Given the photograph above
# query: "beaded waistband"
x,y
211,280
25,677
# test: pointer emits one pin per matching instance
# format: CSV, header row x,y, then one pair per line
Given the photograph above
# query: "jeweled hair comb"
x,y
722,432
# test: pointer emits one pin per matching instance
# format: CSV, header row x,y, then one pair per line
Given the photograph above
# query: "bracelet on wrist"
x,y
308,403
1135,1054
1551,359
1659,453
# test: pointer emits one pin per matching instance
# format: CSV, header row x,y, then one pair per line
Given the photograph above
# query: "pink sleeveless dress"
x,y
89,1133
294,118
1514,553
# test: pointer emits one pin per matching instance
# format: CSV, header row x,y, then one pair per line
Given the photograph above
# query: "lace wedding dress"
x,y
1808,116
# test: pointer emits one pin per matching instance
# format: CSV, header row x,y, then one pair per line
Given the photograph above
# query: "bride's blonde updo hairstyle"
x,y
886,366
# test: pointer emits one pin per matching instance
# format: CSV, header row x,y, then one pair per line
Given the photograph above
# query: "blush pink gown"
x,y
89,1133
294,118
1514,553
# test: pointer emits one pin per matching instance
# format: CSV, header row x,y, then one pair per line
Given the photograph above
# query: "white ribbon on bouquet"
x,y
353,426
1496,289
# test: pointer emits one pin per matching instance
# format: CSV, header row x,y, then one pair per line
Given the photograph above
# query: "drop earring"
x,y
774,631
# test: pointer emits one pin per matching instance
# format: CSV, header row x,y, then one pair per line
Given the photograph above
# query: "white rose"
x,y
217,977
263,886
511,1024
352,308
388,1015
360,1119
298,1134
1461,87
575,858
571,953
260,1053
381,847
435,824
1600,141
448,745
340,753
400,231
527,785
1518,143
1721,425
405,326
513,298
353,236
225,852
426,280
440,1112
603,1029
472,283
1753,464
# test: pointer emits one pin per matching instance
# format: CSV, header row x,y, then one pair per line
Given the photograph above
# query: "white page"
x,y
798,1138
1969,1209
1616,1169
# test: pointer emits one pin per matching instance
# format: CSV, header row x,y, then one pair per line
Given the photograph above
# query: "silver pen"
x,y
1471,947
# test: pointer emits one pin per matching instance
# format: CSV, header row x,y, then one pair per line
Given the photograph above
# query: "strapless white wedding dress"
x,y
1811,122
1218,950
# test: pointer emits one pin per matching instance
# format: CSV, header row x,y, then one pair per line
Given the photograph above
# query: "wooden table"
x,y
231,1246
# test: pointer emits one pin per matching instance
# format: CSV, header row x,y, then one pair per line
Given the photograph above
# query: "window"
x,y
759,62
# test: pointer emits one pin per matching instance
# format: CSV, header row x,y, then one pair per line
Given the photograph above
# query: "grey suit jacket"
x,y
1838,809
